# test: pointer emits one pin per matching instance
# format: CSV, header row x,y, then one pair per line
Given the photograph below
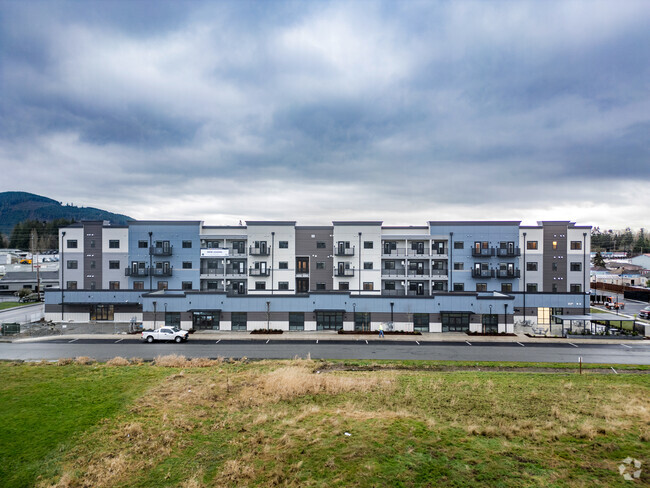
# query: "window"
x,y
138,285
93,285
71,285
187,264
283,244
113,265
481,286
459,287
302,265
238,320
490,322
187,244
113,285
283,285
320,286
72,264
114,244
554,266
329,320
389,264
163,285
72,244
205,320
554,245
389,285
455,321
320,265
459,245
92,265
421,322
458,266
576,266
557,311
543,316
554,288
260,285
143,244
362,321
531,266
344,285
186,285
367,244
506,287
296,321
101,312
531,287
283,265
367,265
368,285
576,245
576,288
532,245
320,245
92,243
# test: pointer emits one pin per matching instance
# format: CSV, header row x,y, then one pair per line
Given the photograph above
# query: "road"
x,y
22,315
633,352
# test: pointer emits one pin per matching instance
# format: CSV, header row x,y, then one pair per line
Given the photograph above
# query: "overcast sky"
x,y
317,111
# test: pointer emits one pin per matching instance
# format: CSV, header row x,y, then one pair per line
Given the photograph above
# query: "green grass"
x,y
6,305
278,423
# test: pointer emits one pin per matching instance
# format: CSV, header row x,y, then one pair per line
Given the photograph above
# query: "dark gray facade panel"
x,y
306,247
555,232
93,254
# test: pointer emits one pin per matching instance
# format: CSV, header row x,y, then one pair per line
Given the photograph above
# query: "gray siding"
x,y
555,233
306,247
92,254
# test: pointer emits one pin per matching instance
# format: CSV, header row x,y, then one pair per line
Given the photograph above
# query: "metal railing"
x,y
259,272
439,272
212,271
393,272
136,272
482,273
508,253
418,272
160,271
483,253
259,251
344,272
393,293
400,251
161,251
344,251
505,273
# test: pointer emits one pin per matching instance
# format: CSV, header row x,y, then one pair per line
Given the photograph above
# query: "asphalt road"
x,y
102,350
24,314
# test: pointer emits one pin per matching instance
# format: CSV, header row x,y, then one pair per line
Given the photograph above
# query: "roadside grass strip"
x,y
203,423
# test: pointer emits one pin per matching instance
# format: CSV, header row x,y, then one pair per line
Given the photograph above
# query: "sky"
x,y
403,112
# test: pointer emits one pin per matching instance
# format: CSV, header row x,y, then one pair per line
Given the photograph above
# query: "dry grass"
x,y
171,361
64,361
84,360
118,361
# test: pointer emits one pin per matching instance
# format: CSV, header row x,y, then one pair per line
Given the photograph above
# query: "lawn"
x,y
6,305
311,423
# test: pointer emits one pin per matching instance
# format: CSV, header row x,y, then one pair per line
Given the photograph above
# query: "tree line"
x,y
35,235
620,240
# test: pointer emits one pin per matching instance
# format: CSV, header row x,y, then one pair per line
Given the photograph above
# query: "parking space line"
x,y
468,343
119,340
366,342
521,344
73,340
267,341
625,345
316,341
417,343
218,341
572,344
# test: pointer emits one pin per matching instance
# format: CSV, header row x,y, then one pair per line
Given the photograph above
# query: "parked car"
x,y
644,313
165,334
615,305
32,297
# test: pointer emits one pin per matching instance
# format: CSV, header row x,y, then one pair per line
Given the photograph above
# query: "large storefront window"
x,y
102,312
421,322
173,319
455,321
238,320
362,321
329,320
490,322
296,321
206,320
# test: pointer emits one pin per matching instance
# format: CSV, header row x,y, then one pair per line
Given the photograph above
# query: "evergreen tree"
x,y
598,260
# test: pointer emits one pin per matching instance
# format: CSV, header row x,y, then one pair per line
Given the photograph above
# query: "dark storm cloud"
x,y
423,104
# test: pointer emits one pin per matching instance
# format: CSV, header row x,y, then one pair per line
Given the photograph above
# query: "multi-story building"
x,y
354,274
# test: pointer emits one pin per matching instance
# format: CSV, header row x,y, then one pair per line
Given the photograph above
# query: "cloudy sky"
x,y
316,111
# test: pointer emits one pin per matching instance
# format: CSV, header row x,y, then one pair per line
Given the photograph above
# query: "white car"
x,y
165,334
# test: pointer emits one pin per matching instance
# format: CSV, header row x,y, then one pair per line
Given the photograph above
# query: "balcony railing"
x,y
418,272
508,253
160,271
393,272
211,271
416,293
344,251
259,251
483,253
136,272
400,251
161,251
344,272
414,252
235,271
482,273
508,273
259,272
394,293
439,272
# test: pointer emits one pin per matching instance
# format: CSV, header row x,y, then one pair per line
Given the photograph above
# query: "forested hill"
x,y
18,206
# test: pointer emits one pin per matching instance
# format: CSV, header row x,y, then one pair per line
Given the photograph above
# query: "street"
x,y
632,352
23,314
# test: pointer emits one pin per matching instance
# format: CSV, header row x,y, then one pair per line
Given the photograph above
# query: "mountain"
x,y
17,206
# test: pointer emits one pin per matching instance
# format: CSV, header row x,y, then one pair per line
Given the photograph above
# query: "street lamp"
x,y
154,315
525,279
505,319
62,265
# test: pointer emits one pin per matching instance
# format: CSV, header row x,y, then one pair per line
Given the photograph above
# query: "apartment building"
x,y
447,275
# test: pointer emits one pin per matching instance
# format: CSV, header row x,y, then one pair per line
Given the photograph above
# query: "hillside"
x,y
17,206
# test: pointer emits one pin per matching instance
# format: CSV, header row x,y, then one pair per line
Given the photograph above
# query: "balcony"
x,y
508,253
508,273
164,272
393,293
235,271
161,251
212,271
259,272
400,251
418,272
393,272
439,272
482,273
344,272
137,272
344,251
258,251
415,252
416,293
483,253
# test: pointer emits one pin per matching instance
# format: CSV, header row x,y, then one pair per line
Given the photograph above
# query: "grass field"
x,y
308,423
6,305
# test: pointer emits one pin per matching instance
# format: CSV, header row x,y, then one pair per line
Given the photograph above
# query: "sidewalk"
x,y
333,336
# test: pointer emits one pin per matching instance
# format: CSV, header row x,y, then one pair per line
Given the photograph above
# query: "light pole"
x,y
165,316
505,318
154,315
268,316
150,263
272,251
354,315
584,271
359,263
392,304
62,271
525,265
